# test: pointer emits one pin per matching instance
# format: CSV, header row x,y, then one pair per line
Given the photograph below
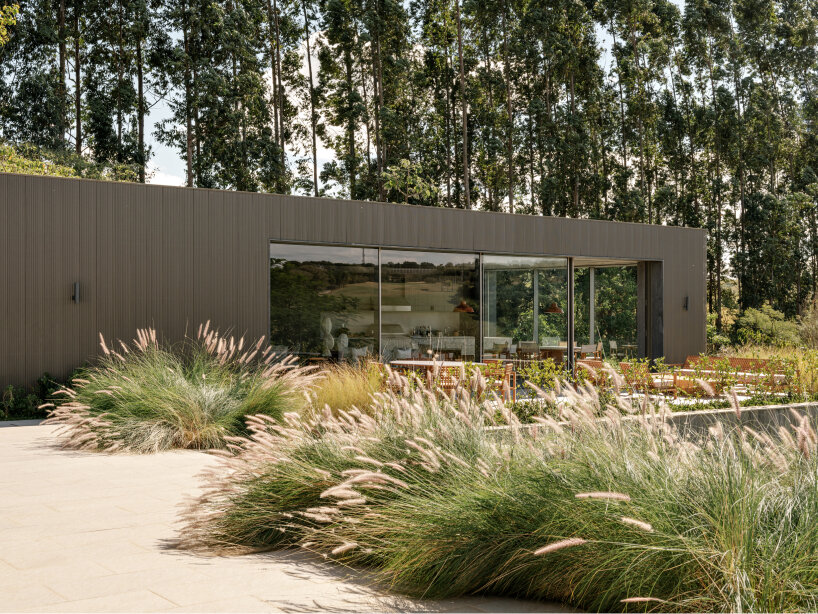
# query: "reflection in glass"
x,y
611,310
524,302
324,300
430,302
615,310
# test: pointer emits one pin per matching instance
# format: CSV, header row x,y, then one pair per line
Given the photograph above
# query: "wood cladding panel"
x,y
13,267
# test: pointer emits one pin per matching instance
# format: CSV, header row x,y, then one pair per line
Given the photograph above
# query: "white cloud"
x,y
159,177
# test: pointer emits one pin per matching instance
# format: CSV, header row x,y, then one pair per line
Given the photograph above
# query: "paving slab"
x,y
89,532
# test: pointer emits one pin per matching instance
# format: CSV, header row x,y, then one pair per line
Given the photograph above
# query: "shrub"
x,y
18,403
808,323
543,374
150,397
608,514
715,339
766,326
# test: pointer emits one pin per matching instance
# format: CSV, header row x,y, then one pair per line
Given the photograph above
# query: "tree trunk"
x,y
313,119
509,114
621,99
492,191
351,164
274,68
140,108
466,190
574,170
376,100
188,102
77,82
447,129
281,92
120,75
62,58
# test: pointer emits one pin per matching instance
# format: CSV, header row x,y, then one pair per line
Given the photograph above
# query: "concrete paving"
x,y
85,532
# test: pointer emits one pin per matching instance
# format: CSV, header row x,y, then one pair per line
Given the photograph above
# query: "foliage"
x,y
715,339
19,403
803,362
808,323
766,326
544,374
406,178
603,515
699,115
145,397
31,160
8,17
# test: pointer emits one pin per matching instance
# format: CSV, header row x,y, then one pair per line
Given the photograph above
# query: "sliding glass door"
x,y
347,303
525,300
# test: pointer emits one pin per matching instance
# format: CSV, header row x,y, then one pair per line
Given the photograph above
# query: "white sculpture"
x,y
329,341
342,343
326,325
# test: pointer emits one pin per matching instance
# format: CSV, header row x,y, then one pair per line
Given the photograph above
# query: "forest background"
x,y
699,115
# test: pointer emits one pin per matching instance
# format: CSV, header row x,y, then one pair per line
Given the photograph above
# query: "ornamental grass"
x,y
601,511
345,386
146,396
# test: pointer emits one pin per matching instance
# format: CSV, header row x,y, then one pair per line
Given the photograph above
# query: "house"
x,y
331,278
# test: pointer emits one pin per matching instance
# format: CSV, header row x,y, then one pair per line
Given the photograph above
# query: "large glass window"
x,y
524,303
336,302
615,310
324,300
607,314
430,303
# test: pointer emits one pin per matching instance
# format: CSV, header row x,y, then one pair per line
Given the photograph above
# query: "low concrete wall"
x,y
767,417
695,423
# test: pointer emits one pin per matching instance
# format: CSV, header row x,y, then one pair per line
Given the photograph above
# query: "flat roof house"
x,y
331,278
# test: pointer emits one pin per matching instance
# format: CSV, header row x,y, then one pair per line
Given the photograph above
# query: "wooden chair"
x,y
589,351
594,369
613,349
503,380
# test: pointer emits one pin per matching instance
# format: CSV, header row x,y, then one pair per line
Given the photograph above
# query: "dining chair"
x,y
587,350
613,349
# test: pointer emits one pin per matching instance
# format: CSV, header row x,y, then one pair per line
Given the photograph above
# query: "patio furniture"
x,y
528,350
590,350
613,349
752,372
594,370
502,378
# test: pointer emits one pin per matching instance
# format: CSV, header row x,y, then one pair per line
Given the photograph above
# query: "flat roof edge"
x,y
362,202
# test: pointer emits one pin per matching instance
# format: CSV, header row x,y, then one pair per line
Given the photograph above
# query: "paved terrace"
x,y
85,532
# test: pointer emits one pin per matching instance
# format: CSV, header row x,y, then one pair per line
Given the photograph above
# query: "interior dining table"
x,y
556,352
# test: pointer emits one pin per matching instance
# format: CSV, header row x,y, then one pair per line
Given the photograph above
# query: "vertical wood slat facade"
x,y
173,258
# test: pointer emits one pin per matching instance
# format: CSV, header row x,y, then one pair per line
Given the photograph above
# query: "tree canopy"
x,y
643,111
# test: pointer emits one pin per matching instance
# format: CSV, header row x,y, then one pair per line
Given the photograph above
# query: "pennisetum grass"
x,y
145,396
602,513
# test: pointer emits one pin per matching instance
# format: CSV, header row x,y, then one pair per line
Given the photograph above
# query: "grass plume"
x,y
721,521
145,396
